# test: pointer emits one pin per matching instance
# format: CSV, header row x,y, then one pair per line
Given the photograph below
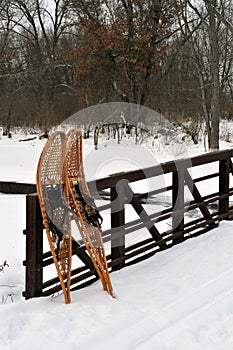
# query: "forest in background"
x,y
60,56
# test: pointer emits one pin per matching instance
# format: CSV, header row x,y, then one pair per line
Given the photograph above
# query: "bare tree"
x,y
201,27
39,32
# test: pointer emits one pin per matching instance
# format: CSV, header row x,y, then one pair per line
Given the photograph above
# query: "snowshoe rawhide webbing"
x,y
55,210
86,215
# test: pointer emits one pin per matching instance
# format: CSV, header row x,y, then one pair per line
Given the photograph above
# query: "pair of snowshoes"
x,y
64,197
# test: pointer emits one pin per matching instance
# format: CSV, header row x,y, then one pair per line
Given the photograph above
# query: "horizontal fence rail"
x,y
17,187
137,227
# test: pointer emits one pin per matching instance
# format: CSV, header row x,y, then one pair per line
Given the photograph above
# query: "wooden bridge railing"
x,y
129,240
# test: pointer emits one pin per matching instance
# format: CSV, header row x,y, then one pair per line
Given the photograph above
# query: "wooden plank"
x,y
136,204
196,195
231,167
206,177
161,169
17,187
224,182
34,248
211,157
178,204
118,221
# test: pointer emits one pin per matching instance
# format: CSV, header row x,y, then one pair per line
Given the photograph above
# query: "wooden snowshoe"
x,y
86,215
54,207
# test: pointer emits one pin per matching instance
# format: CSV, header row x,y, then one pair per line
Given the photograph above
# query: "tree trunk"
x,y
214,70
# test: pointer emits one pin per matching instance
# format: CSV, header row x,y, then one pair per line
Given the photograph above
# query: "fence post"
x,y
224,169
117,224
178,204
34,248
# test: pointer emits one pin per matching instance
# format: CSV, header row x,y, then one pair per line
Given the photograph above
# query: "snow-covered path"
x,y
178,299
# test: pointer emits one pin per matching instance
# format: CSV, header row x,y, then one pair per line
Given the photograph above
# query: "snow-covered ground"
x,y
179,299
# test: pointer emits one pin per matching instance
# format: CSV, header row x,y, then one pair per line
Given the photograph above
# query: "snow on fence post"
x,y
34,248
117,225
224,170
178,205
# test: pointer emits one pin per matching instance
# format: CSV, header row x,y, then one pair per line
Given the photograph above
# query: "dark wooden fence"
x,y
129,240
